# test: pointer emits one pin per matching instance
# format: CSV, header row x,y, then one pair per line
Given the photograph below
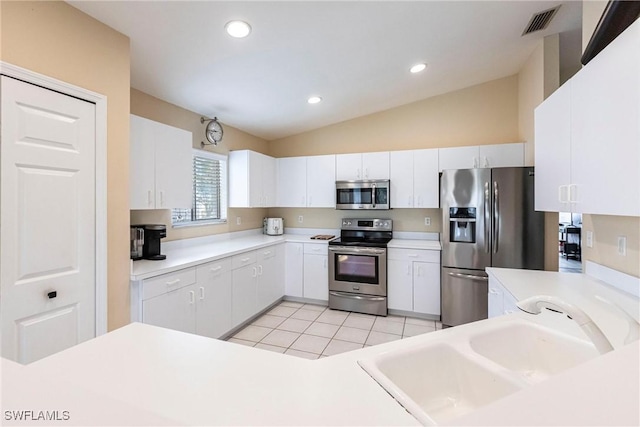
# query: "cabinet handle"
x,y
493,292
260,270
475,162
366,173
255,272
486,162
573,193
173,282
243,260
325,263
419,200
214,269
408,269
412,255
201,293
358,173
149,201
192,297
266,253
303,201
310,200
161,198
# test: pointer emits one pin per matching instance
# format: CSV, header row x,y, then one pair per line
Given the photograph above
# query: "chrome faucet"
x,y
534,305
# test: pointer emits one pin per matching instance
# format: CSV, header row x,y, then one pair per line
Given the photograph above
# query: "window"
x,y
209,203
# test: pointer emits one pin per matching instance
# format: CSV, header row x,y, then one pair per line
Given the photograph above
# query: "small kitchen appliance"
x,y
363,194
358,266
136,242
273,226
152,235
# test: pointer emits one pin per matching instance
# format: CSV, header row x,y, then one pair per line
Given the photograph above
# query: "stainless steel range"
x,y
358,266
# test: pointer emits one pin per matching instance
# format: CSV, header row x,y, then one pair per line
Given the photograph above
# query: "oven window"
x,y
354,196
357,268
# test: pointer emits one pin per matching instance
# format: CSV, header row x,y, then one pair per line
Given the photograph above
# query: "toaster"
x,y
273,226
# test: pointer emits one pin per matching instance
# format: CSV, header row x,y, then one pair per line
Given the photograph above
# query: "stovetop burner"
x,y
365,232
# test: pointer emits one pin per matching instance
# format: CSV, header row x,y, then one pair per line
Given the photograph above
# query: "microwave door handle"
x,y
373,195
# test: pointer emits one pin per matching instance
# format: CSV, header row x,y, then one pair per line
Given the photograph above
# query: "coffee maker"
x,y
152,234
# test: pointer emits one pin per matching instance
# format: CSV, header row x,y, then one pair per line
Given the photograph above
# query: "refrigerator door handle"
x,y
486,217
468,276
496,217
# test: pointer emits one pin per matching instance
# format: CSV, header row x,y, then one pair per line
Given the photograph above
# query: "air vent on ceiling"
x,y
540,20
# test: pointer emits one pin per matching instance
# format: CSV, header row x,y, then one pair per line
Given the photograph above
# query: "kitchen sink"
x,y
533,351
437,383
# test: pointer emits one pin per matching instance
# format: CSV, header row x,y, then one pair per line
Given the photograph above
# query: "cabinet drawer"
x,y
414,255
316,249
213,268
168,282
267,253
243,259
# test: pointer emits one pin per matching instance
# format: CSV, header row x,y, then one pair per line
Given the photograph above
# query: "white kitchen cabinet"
x,y
316,272
244,294
413,280
362,166
252,179
458,157
414,179
593,118
501,155
160,167
500,300
321,181
213,298
270,286
292,182
293,269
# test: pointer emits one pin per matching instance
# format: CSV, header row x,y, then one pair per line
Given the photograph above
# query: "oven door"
x,y
359,270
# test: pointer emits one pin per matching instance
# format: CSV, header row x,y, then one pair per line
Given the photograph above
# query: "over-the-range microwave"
x,y
363,194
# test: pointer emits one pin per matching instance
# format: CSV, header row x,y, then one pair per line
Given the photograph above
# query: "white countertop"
x,y
433,245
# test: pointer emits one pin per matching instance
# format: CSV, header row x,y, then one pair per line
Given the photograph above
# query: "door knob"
x,y
52,294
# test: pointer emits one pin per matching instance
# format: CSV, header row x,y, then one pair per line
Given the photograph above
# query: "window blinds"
x,y
207,192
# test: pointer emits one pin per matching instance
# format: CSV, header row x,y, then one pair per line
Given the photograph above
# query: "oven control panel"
x,y
367,224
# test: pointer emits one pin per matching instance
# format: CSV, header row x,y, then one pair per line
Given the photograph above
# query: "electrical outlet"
x,y
427,221
300,219
622,245
238,220
589,239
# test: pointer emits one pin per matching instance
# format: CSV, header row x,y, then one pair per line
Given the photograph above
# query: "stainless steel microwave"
x,y
367,194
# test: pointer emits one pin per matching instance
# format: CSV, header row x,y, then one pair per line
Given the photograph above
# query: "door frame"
x,y
100,102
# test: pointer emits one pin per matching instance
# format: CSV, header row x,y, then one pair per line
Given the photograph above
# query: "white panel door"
x,y
292,182
349,167
458,158
270,287
142,164
400,284
174,167
401,176
501,155
268,168
553,151
426,288
375,165
321,181
254,170
213,298
316,277
48,221
172,310
426,181
244,298
293,269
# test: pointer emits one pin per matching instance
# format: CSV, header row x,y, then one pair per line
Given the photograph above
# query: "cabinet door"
x,y
605,131
458,158
239,179
316,277
268,168
141,164
495,299
426,181
349,167
292,182
214,296
244,298
321,181
254,169
402,178
426,288
270,278
375,165
173,310
293,273
553,150
400,285
501,155
174,167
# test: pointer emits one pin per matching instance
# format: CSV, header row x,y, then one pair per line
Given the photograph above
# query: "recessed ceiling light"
x,y
418,67
314,100
238,29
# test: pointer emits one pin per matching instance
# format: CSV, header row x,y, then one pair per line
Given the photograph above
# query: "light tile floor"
x,y
314,331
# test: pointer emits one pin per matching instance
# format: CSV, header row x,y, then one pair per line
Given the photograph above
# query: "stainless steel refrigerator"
x,y
488,220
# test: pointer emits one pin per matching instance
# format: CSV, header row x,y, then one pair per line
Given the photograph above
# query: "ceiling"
x,y
356,55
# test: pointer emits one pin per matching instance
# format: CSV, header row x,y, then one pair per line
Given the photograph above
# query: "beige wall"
x,y
483,114
152,108
606,229
57,40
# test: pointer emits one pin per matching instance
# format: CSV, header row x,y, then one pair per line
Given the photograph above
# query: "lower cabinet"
x,y
173,310
413,280
213,313
270,275
293,269
500,300
244,298
316,272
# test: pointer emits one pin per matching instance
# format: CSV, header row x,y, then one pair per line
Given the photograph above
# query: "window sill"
x,y
200,223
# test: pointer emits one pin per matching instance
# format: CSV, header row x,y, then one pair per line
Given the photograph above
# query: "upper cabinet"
x,y
596,115
160,166
357,166
482,156
306,181
414,179
252,180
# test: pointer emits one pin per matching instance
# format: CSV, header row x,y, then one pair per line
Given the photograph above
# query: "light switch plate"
x,y
238,220
622,245
589,239
300,219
